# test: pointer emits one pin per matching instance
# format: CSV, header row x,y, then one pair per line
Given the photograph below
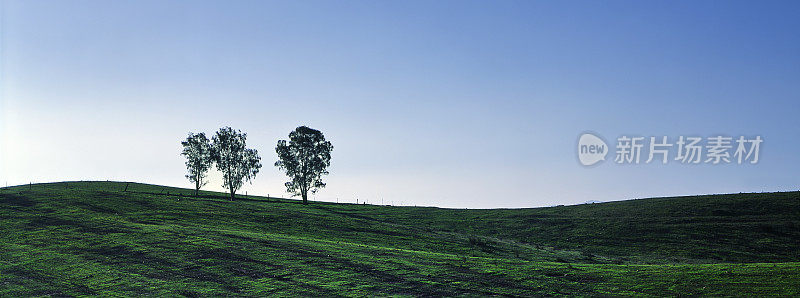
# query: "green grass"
x,y
94,238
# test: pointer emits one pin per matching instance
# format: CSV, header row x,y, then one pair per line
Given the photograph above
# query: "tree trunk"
x,y
232,193
305,197
196,187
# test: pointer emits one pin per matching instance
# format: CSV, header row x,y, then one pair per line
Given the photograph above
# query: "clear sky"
x,y
474,104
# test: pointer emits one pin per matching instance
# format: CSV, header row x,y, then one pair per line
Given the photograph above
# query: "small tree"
x,y
198,159
234,160
305,159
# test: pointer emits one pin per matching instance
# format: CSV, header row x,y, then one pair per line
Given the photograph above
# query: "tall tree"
x,y
305,159
197,151
237,163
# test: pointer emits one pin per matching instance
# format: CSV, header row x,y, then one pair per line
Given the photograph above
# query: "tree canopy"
x,y
236,162
305,159
197,151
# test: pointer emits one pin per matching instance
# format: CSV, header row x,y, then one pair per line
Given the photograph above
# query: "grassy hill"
x,y
97,238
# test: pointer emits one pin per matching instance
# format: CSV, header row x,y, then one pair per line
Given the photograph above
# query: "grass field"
x,y
96,238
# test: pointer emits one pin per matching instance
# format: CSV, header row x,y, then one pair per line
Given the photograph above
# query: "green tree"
x,y
304,158
197,151
237,163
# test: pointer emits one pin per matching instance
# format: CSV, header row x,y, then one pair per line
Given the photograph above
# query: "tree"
x,y
305,159
237,163
198,159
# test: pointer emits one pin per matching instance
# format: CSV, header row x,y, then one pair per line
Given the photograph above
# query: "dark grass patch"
x,y
155,267
376,231
346,214
45,221
331,260
237,263
49,282
96,208
11,199
52,221
484,279
146,221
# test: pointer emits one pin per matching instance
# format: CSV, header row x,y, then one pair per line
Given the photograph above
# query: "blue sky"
x,y
474,104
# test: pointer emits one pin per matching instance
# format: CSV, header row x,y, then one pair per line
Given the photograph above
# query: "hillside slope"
x,y
763,227
98,238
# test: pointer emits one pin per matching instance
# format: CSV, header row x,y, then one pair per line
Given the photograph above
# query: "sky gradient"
x,y
467,104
